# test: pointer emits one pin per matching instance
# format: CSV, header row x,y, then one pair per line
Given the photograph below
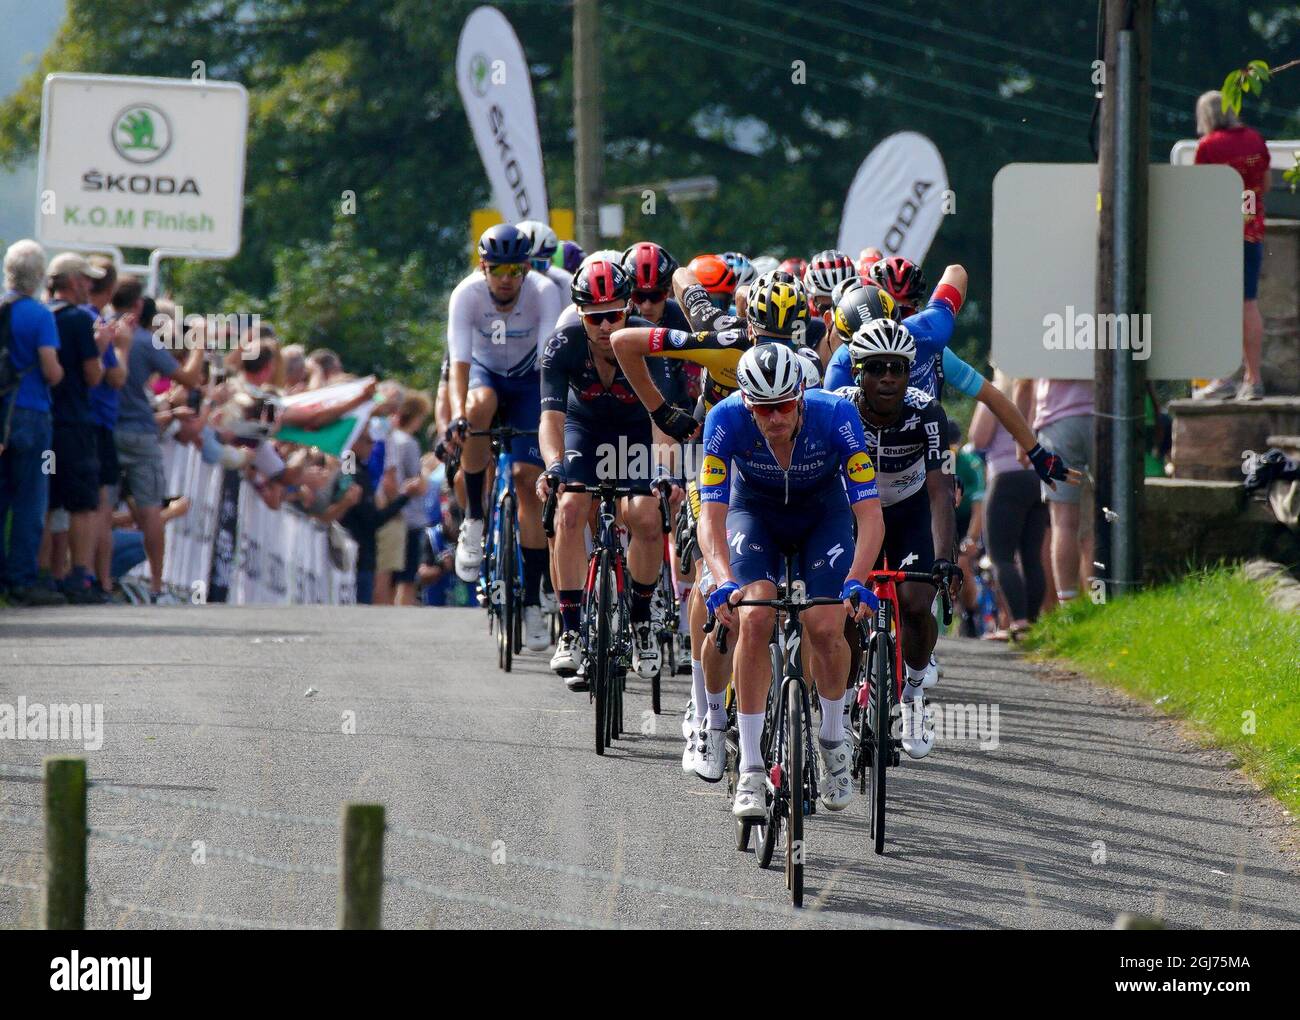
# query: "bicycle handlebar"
x,y
898,576
785,604
660,487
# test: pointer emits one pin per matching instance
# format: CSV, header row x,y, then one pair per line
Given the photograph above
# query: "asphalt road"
x,y
1089,804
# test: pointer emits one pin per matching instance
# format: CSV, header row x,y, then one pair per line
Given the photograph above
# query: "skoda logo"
x,y
141,133
478,74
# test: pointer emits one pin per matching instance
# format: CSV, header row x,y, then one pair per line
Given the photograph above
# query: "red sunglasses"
x,y
767,410
596,318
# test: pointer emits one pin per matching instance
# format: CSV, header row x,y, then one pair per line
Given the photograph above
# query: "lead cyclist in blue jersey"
x,y
786,469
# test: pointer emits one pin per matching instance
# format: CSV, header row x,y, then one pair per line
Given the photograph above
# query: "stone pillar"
x,y
1279,301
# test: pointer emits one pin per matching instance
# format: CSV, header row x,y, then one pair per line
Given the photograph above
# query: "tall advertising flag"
x,y
492,75
896,200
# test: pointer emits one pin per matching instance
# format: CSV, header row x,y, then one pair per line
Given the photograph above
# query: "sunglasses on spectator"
x,y
596,318
781,407
652,296
880,367
504,272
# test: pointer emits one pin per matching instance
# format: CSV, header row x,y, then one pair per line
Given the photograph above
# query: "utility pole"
x,y
1120,380
589,144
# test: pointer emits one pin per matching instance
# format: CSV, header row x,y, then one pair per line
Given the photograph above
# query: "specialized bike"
x,y
501,582
879,693
606,628
788,750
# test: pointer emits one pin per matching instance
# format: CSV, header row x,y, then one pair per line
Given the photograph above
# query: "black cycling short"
x,y
594,454
74,481
909,542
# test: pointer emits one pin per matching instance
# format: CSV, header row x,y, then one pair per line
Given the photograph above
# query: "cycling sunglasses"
x,y
782,407
596,318
878,367
643,296
507,270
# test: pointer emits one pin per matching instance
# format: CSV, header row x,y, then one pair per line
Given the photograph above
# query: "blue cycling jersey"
x,y
829,446
931,328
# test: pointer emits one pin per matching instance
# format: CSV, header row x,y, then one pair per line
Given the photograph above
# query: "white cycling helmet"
x,y
882,338
811,363
770,373
542,236
765,264
825,270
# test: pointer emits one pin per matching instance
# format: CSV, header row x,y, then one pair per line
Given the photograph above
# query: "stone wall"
x,y
1279,301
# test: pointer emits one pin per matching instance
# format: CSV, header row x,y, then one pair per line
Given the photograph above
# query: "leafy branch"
x,y
1251,79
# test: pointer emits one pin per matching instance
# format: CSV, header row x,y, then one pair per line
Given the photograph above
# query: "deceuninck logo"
x,y
478,74
141,133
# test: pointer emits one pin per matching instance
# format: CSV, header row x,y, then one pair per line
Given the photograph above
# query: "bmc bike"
x,y
606,628
879,692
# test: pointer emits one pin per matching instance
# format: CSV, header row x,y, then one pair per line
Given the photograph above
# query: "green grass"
x,y
1208,649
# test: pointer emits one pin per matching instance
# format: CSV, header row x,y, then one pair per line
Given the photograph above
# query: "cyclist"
x,y
713,274
778,309
590,418
802,479
740,265
906,434
545,244
498,317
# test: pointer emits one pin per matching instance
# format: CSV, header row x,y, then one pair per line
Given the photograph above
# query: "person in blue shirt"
x,y
785,469
26,424
103,409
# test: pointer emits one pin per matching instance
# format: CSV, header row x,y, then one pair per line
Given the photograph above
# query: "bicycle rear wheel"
x,y
505,578
598,664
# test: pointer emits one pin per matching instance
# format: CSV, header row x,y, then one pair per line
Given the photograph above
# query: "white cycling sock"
x,y
913,686
751,741
717,710
684,607
698,694
832,729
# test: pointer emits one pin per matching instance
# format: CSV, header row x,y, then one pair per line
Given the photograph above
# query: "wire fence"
x,y
496,856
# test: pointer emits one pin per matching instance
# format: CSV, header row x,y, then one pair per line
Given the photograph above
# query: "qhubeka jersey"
x,y
905,452
830,457
505,343
571,383
931,328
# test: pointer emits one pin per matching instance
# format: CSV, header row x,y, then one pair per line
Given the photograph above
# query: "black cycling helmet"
x,y
598,281
860,305
504,244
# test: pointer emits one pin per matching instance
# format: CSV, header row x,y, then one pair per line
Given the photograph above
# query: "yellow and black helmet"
x,y
777,301
859,305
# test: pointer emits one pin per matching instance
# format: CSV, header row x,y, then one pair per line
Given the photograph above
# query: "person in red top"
x,y
1224,139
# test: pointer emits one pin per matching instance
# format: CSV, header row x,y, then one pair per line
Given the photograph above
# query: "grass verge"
x,y
1208,649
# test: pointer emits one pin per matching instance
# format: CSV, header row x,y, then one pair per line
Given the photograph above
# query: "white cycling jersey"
x,y
563,279
507,343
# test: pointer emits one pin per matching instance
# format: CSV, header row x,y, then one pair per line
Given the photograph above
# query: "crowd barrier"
x,y
231,547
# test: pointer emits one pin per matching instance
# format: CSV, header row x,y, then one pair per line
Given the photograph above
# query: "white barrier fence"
x,y
260,555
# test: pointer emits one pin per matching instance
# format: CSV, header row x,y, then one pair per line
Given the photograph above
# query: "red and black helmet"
x,y
901,279
597,282
649,265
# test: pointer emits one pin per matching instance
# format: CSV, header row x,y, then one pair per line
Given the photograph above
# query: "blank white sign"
x,y
1045,220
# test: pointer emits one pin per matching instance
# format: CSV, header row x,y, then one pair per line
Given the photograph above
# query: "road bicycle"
x,y
879,692
788,749
501,582
605,631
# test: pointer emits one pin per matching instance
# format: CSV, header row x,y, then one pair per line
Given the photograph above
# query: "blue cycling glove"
x,y
720,595
852,587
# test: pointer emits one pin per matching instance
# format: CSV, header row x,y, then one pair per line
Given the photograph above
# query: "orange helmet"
x,y
715,276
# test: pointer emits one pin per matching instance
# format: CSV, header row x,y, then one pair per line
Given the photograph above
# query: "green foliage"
x,y
1208,648
1251,79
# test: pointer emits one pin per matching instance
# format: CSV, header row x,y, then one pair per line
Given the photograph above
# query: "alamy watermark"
x,y
227,331
1106,331
74,723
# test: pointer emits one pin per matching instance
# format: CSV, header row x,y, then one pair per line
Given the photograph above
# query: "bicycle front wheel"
x,y
598,664
505,580
794,747
882,682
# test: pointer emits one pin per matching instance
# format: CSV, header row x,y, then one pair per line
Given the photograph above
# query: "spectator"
x,y
1015,517
402,461
25,424
362,518
970,523
437,574
295,368
1063,420
103,408
390,549
139,449
1224,139
323,368
74,482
